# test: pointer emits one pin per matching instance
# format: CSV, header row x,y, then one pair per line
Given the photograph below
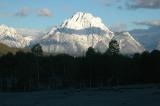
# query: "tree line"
x,y
35,71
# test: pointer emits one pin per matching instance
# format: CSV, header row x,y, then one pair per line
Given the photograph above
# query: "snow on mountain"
x,y
30,33
84,20
10,37
73,37
128,45
77,34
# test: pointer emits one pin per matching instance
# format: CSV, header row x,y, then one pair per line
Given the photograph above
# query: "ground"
x,y
117,96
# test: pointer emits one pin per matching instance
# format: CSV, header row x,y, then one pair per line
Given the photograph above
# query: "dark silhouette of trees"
x,y
90,52
34,71
37,50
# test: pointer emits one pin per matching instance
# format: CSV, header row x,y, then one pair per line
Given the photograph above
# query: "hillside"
x,y
4,49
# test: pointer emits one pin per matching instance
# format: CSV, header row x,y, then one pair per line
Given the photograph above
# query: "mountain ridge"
x,y
77,34
74,36
128,45
9,36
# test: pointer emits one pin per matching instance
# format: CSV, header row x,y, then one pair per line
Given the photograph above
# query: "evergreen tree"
x,y
37,50
113,47
90,52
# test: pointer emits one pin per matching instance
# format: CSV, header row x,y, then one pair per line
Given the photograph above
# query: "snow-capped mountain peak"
x,y
128,45
6,31
81,20
85,21
73,37
77,34
9,36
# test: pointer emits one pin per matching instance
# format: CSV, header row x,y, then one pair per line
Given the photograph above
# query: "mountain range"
x,y
9,36
74,36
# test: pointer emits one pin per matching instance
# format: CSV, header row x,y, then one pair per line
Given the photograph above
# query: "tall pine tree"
x,y
114,48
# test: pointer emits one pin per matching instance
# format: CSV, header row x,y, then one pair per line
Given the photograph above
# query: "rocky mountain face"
x,y
9,37
128,45
74,36
83,30
77,34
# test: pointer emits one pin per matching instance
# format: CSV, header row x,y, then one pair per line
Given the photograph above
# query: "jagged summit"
x,y
85,21
83,30
82,23
77,34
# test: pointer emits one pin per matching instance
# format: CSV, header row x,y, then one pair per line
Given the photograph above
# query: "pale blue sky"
x,y
42,14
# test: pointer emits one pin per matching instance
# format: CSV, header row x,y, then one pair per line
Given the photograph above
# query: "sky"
x,y
116,14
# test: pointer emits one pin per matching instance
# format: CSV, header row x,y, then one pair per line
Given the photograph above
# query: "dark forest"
x,y
29,71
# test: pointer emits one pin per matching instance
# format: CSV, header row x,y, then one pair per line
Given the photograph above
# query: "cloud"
x,y
109,3
148,37
105,3
119,27
22,12
45,12
152,23
137,4
31,33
